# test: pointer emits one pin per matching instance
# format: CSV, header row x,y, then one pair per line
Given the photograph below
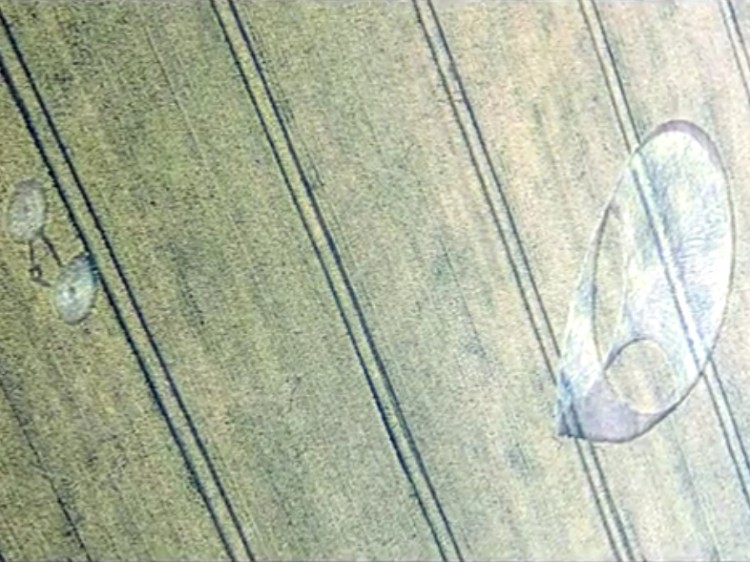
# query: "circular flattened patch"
x,y
26,211
75,290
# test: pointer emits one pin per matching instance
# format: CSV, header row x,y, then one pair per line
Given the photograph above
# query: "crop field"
x,y
334,246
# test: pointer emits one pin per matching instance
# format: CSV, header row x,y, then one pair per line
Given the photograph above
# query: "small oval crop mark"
x,y
26,211
75,289
25,218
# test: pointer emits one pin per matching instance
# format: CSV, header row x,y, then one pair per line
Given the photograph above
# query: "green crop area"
x,y
335,245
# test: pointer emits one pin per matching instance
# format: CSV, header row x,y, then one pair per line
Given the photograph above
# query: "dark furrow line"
x,y
737,29
735,426
332,247
330,284
108,291
607,82
485,192
732,454
735,22
40,463
743,46
493,172
620,85
673,283
524,297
